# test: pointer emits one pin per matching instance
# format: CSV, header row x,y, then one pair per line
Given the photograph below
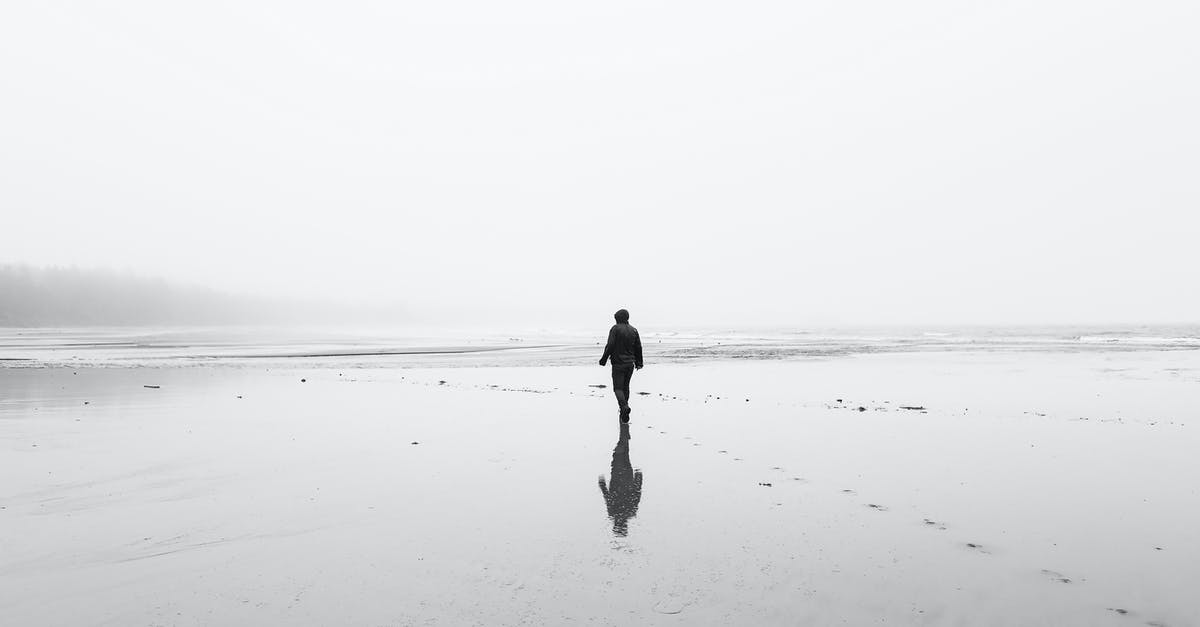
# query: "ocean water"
x,y
245,346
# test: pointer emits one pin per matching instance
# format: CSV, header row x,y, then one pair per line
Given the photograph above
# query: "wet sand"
x,y
941,489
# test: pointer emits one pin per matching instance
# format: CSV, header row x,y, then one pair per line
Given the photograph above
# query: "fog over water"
x,y
475,162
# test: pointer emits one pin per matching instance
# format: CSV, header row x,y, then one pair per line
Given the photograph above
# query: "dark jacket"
x,y
624,346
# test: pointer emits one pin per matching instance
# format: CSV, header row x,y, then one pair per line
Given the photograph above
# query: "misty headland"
x,y
81,297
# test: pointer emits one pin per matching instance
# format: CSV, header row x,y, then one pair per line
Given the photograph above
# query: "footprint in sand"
x,y
722,452
877,507
1056,576
847,491
977,547
934,523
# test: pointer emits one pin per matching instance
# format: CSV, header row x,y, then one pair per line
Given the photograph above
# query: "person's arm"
x,y
608,348
637,349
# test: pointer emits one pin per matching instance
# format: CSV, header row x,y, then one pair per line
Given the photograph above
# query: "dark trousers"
x,y
622,374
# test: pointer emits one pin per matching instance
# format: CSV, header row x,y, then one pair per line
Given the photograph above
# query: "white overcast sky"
x,y
738,162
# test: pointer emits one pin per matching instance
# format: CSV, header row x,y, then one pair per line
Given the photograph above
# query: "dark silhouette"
x,y
625,349
624,493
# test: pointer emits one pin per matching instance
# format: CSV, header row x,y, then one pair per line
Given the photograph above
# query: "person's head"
x,y
622,315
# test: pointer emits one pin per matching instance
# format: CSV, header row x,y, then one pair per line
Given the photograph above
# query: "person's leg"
x,y
619,388
625,386
621,379
621,375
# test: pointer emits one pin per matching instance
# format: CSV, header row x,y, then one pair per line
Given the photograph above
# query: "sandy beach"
x,y
909,488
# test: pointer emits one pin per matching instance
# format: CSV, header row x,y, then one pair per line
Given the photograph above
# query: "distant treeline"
x,y
54,296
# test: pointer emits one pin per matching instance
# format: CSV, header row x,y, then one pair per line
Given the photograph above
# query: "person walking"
x,y
624,348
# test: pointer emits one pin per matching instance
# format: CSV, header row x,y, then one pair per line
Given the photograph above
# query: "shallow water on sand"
x,y
1020,489
341,348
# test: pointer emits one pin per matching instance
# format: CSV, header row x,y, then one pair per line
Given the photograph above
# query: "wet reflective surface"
x,y
1029,490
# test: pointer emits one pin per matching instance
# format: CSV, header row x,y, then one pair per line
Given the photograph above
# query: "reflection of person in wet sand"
x,y
624,492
